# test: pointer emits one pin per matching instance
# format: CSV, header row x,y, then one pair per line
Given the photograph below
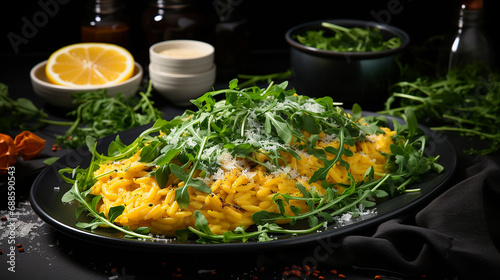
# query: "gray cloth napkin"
x,y
456,236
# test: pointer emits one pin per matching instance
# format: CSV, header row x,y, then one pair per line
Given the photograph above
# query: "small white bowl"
x,y
60,96
181,88
182,57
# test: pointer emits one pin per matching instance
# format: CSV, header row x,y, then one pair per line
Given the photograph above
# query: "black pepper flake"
x,y
237,207
150,205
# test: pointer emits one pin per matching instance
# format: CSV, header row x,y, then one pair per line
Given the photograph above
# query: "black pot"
x,y
348,77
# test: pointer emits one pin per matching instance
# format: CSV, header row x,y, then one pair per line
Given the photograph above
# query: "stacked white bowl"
x,y
181,70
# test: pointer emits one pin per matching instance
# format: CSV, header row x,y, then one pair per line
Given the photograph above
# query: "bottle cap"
x,y
472,4
107,6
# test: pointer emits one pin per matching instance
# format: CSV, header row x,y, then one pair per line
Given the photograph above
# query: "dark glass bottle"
x,y
231,38
106,22
469,44
171,19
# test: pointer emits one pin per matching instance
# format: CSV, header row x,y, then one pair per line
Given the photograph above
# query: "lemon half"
x,y
89,64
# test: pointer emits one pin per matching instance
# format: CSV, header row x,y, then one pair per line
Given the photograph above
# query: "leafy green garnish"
x,y
325,207
263,232
19,114
100,115
254,121
345,39
463,101
80,192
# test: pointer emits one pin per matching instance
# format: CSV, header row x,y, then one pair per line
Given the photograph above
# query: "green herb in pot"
x,y
354,39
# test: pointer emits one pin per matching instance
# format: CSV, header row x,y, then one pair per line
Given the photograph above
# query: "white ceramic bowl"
x,y
60,96
181,88
182,56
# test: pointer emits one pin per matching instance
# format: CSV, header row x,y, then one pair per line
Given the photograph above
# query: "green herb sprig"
x,y
464,101
18,114
254,121
100,115
252,80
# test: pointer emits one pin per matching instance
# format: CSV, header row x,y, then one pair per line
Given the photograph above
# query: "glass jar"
x,y
106,22
171,19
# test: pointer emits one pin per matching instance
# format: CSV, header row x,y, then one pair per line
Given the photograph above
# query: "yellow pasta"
x,y
235,196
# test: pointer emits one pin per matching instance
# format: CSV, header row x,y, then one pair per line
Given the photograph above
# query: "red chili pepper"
x,y
8,153
29,145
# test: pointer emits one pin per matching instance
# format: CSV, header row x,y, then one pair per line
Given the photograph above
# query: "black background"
x,y
269,20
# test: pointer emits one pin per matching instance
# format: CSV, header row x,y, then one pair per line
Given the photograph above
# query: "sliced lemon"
x,y
89,64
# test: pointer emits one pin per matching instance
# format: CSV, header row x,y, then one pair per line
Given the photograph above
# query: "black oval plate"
x,y
48,188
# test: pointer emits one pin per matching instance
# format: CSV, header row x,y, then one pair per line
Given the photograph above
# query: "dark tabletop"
x,y
41,251
454,236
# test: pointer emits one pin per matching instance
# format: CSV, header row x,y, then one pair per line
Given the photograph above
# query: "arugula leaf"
x,y
321,173
114,212
162,174
201,222
150,152
115,147
282,127
50,160
411,120
356,111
